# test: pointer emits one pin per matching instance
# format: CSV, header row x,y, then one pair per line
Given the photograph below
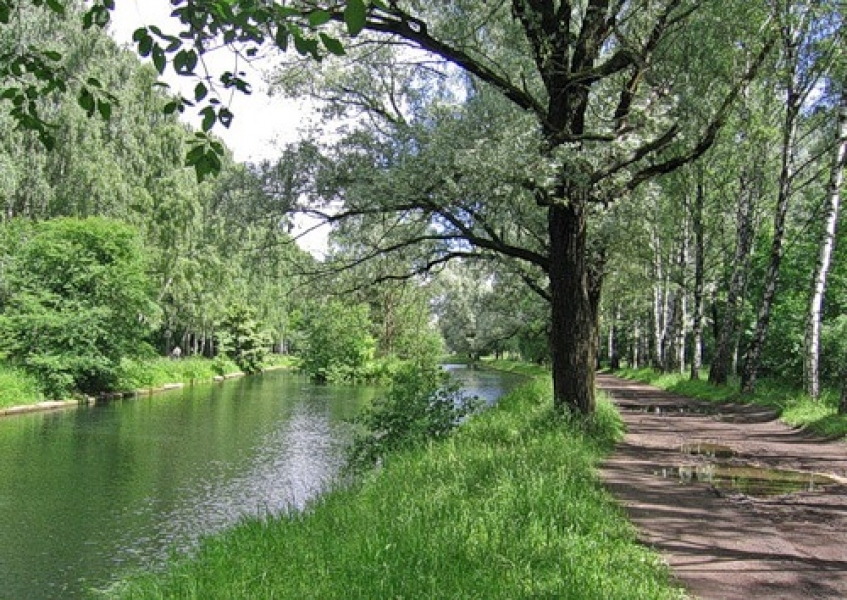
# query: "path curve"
x,y
725,544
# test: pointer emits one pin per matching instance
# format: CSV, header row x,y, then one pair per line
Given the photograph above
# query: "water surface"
x,y
89,494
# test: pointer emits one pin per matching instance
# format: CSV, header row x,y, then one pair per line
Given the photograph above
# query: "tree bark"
x,y
753,356
725,344
660,306
811,364
573,336
699,270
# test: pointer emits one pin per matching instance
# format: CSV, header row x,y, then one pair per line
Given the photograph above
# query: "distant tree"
x,y
337,340
242,339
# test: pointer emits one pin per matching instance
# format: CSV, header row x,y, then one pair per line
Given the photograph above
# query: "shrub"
x,y
421,404
77,300
338,347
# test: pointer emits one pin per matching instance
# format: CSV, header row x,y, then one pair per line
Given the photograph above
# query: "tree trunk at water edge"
x,y
573,338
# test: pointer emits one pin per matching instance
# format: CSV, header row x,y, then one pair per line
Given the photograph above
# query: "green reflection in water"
x,y
86,494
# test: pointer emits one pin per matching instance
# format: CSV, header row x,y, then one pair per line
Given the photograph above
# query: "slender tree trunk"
x,y
726,339
660,306
636,342
811,364
753,356
614,352
671,350
699,262
573,337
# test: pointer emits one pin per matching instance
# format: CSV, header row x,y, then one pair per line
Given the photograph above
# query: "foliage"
x,y
515,486
338,343
78,302
242,340
145,373
422,404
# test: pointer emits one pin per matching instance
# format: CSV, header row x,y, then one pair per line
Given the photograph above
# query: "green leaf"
x,y
185,62
86,101
105,110
209,118
200,91
139,34
159,60
145,46
225,117
332,44
319,17
56,6
53,55
281,38
355,15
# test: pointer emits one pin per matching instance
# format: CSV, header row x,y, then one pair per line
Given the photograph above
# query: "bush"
x,y
77,300
422,404
338,347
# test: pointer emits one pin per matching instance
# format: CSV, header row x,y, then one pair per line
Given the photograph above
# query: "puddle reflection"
x,y
752,481
709,449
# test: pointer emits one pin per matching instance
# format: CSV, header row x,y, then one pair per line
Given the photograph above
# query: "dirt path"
x,y
720,542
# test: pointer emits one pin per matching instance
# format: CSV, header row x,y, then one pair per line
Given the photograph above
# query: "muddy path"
x,y
694,479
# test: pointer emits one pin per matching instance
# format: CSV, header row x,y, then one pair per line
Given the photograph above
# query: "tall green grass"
x,y
141,374
508,507
18,387
795,407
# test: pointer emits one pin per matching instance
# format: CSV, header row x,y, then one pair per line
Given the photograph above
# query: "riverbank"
x,y
19,393
793,406
508,507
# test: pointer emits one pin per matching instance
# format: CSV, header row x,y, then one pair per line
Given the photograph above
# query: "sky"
x,y
262,123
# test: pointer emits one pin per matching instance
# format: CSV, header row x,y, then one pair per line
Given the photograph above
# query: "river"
x,y
88,494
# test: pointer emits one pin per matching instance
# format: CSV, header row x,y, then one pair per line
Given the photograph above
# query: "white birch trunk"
x,y
811,364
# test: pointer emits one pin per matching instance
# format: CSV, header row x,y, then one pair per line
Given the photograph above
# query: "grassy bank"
x,y
19,388
795,407
509,507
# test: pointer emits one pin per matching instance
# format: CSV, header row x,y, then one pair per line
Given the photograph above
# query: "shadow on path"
x,y
722,544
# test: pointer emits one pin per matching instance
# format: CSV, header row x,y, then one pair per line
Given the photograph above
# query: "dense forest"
x,y
643,184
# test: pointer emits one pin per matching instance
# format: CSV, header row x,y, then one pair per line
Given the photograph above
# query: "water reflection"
x,y
749,480
88,494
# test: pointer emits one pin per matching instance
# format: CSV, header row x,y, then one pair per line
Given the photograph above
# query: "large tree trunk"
x,y
573,338
699,270
811,364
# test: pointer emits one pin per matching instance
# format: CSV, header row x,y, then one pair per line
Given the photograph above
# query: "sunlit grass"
x,y
153,373
795,407
509,507
17,387
515,366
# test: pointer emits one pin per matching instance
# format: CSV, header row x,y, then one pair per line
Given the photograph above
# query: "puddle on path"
x,y
709,449
665,409
752,481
